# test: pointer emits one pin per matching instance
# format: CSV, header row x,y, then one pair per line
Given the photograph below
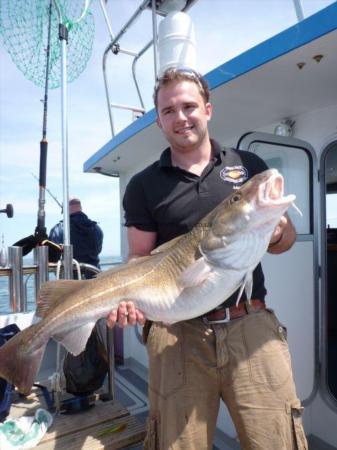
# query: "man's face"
x,y
183,115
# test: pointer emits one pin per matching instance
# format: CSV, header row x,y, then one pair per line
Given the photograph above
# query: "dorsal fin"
x,y
53,293
140,259
120,267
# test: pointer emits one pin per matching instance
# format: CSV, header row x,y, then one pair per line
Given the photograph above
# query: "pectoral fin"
x,y
195,274
247,286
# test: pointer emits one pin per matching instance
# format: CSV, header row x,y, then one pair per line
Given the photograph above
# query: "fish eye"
x,y
235,198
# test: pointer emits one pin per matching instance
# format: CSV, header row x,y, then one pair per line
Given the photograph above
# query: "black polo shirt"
x,y
170,201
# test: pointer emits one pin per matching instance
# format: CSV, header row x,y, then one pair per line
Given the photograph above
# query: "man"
x,y
86,236
244,359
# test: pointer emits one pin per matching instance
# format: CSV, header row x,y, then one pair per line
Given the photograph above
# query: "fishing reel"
x,y
8,210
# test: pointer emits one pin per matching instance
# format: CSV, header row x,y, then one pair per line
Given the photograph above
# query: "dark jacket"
x,y
86,238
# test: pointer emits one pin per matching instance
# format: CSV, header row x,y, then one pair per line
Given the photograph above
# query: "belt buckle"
x,y
225,320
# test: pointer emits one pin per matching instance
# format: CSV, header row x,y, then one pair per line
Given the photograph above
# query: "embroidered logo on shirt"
x,y
234,174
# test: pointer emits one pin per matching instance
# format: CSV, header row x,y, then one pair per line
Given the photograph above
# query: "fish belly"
x,y
195,301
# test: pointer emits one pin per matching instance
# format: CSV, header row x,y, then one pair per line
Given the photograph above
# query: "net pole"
x,y
67,252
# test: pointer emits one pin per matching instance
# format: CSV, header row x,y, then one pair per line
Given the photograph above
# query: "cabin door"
x,y
292,277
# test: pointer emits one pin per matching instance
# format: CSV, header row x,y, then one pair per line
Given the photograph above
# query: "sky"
x,y
224,29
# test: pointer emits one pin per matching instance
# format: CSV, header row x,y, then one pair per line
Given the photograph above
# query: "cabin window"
x,y
294,164
330,195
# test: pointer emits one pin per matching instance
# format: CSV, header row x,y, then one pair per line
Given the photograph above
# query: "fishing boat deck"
x,y
93,429
107,424
84,430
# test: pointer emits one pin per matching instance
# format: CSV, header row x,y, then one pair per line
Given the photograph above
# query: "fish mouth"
x,y
271,192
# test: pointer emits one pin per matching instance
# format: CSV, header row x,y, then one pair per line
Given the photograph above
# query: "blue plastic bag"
x,y
25,432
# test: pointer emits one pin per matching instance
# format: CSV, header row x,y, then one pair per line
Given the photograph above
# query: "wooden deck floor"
x,y
106,425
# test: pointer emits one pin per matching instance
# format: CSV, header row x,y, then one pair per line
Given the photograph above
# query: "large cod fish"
x,y
180,280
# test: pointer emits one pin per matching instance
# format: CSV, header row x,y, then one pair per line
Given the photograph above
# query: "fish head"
x,y
247,217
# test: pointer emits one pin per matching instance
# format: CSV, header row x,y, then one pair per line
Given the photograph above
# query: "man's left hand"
x,y
283,236
277,234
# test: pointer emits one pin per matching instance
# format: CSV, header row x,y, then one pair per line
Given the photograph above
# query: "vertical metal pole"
x,y
155,40
64,124
134,73
41,261
111,362
16,290
68,261
106,86
104,66
299,10
106,18
67,251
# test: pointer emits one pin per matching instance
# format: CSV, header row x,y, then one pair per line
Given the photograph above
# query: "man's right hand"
x,y
126,314
141,243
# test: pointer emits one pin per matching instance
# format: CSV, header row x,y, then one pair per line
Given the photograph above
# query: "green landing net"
x,y
24,31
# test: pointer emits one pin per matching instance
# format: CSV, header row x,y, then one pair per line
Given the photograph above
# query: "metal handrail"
x,y
27,270
15,271
32,269
135,60
114,46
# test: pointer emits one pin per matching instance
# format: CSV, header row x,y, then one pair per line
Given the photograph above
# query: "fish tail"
x,y
19,363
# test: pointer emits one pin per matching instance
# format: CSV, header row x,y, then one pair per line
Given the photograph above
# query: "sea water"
x,y
29,283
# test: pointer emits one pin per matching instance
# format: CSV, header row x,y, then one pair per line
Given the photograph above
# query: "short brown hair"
x,y
181,74
74,201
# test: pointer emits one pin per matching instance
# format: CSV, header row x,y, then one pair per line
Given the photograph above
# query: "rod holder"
x,y
68,261
41,261
16,290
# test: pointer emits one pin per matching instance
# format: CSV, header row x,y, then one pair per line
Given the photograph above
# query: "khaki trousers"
x,y
244,362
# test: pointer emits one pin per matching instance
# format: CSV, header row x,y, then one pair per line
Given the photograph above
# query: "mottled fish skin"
x,y
180,280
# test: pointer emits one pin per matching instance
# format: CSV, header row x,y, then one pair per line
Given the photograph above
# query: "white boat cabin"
x,y
278,99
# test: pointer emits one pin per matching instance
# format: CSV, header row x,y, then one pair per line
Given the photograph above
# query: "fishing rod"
x,y
30,242
40,230
49,192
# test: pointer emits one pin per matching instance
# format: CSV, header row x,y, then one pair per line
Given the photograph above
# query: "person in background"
x,y
86,236
239,355
84,373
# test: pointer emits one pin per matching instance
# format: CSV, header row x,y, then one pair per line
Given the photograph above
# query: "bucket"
x,y
176,42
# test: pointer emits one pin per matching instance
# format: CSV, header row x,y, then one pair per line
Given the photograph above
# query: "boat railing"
x,y
158,7
18,274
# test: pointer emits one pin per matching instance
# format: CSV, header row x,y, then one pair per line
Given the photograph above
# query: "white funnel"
x,y
176,42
